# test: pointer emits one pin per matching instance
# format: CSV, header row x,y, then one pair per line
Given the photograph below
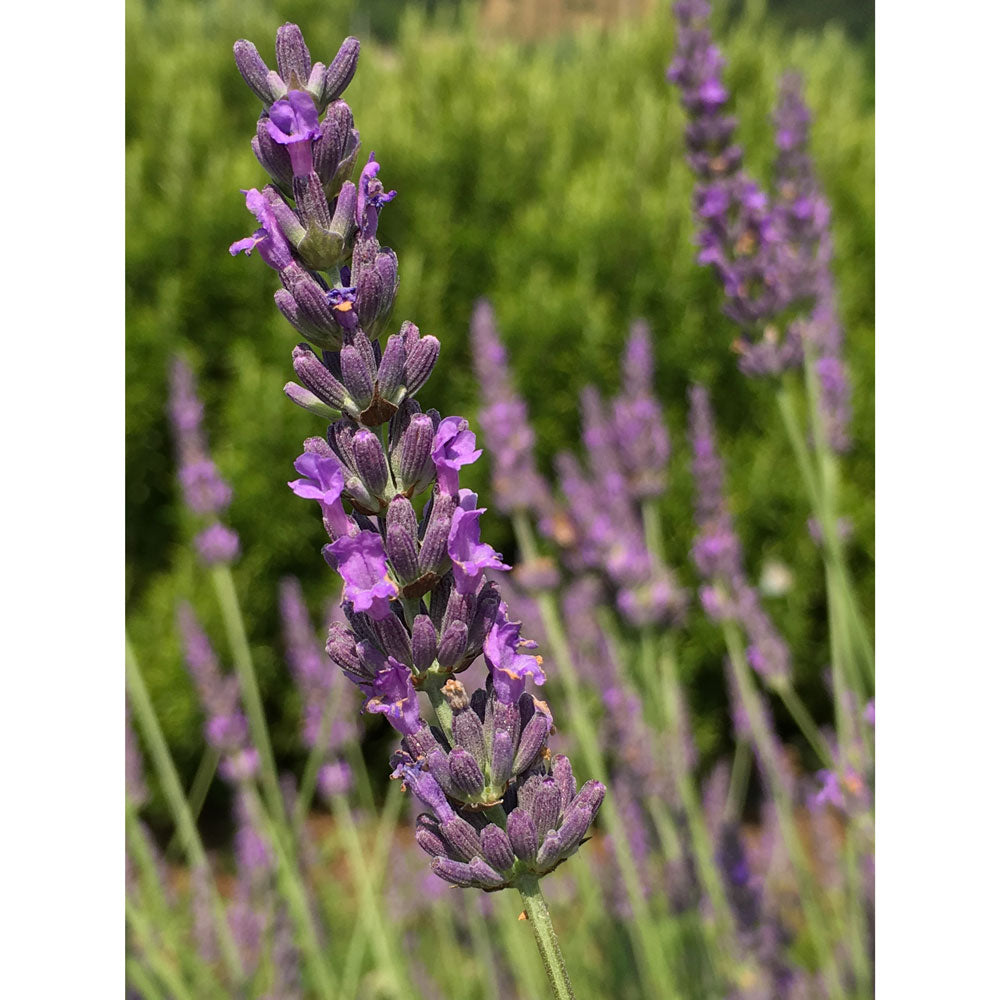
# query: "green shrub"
x,y
550,178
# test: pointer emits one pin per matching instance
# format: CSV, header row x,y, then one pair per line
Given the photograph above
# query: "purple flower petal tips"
x,y
509,667
371,197
454,446
395,697
361,561
470,558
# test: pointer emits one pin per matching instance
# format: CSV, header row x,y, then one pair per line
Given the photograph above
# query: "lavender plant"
x,y
504,811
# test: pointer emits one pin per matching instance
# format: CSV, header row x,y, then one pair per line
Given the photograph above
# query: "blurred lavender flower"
x,y
225,725
507,433
739,236
205,492
718,555
803,217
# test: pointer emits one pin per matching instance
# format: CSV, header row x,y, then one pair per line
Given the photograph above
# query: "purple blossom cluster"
x,y
718,556
417,606
627,448
206,494
772,255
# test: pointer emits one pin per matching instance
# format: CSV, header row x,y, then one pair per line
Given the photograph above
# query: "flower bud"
x,y
532,740
390,369
377,287
452,647
253,69
420,363
412,459
485,876
394,638
461,838
424,642
465,773
340,72
428,836
523,835
369,459
545,807
318,379
273,157
497,850
308,401
562,771
502,759
401,546
357,376
293,56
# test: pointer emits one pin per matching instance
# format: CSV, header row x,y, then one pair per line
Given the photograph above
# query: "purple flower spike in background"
x,y
363,564
507,433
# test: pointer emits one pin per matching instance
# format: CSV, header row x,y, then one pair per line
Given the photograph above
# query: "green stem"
x,y
432,687
739,781
161,966
654,969
361,875
294,894
174,794
225,591
207,767
145,985
545,938
804,720
767,750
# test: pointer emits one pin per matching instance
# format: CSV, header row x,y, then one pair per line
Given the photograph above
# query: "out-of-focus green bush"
x,y
550,178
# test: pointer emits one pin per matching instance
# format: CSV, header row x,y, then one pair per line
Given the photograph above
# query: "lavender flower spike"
x,y
416,606
504,419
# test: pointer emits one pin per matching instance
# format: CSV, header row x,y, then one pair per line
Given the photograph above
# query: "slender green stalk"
x,y
225,592
528,974
207,767
371,912
654,969
143,982
379,856
159,963
294,894
804,720
545,938
439,703
739,781
808,889
174,794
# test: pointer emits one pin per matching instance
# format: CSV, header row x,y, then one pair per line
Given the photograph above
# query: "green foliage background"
x,y
549,177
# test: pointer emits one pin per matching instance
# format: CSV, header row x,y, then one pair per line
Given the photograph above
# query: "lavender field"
x,y
500,586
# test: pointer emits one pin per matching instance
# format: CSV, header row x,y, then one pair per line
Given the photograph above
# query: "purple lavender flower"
x,y
640,430
293,122
739,236
454,446
225,726
394,697
470,558
363,564
269,240
717,553
507,433
217,545
371,197
415,604
510,668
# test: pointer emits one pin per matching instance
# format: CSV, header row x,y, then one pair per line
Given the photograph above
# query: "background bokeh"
x,y
539,161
